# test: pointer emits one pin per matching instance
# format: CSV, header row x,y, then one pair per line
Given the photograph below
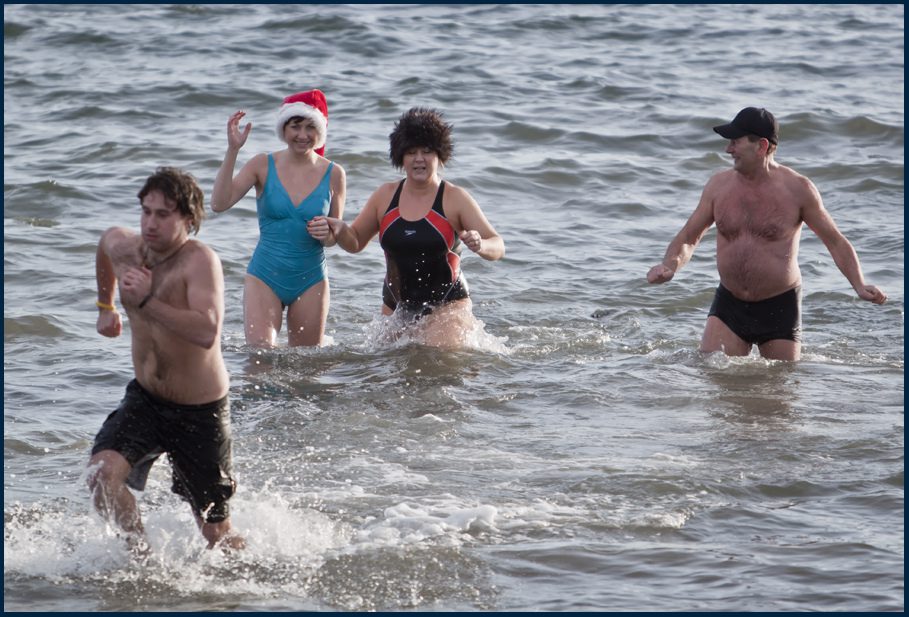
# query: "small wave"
x,y
801,125
78,40
317,23
13,30
31,325
36,221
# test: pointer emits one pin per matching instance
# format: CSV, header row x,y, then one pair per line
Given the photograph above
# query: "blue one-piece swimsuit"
x,y
287,258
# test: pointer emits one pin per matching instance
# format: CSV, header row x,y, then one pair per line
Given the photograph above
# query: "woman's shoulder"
x,y
457,193
259,161
337,171
388,187
383,194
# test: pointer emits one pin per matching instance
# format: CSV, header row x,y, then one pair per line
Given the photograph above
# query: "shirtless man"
x,y
759,207
172,289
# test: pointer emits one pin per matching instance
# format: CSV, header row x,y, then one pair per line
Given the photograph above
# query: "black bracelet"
x,y
145,300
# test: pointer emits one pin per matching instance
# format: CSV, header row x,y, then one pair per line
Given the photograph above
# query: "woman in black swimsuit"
x,y
422,221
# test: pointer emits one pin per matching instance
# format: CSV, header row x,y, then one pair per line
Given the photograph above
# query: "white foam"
x,y
279,534
409,523
393,331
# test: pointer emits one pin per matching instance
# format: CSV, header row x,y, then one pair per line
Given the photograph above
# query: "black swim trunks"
x,y
779,317
196,439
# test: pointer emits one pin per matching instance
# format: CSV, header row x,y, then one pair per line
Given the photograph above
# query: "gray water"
x,y
579,454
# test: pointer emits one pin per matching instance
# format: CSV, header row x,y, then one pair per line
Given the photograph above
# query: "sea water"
x,y
578,453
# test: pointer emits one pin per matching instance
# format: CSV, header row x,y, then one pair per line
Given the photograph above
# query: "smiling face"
x,y
421,163
301,134
746,154
163,226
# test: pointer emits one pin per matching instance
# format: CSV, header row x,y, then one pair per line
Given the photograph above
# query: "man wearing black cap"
x,y
759,207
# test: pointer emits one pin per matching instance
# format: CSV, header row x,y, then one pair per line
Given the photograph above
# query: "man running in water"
x,y
172,289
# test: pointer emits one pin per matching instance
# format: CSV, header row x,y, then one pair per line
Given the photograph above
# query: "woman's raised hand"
x,y
235,137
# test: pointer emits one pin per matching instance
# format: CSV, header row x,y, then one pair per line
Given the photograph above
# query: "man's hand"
x,y
135,285
872,294
109,323
660,274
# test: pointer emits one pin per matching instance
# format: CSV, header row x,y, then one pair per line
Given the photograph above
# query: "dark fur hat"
x,y
420,127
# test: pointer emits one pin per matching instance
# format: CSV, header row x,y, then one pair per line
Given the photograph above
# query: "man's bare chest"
x,y
759,217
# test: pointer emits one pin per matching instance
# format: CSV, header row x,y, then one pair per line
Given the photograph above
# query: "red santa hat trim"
x,y
310,105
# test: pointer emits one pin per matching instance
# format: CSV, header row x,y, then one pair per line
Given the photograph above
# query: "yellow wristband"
x,y
106,307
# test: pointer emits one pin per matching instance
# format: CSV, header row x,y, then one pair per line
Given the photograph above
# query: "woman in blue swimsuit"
x,y
296,189
421,221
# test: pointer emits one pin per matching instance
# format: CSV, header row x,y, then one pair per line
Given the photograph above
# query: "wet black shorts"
x,y
779,317
196,439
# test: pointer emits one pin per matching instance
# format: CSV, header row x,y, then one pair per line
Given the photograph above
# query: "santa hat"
x,y
310,105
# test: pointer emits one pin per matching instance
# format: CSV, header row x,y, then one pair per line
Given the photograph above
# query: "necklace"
x,y
152,266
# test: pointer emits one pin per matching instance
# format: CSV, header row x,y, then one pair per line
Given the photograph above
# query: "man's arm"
x,y
109,322
844,256
680,250
200,323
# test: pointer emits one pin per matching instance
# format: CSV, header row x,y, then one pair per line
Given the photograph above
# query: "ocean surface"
x,y
579,454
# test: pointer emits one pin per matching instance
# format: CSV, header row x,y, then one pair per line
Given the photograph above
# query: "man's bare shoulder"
x,y
199,265
114,235
200,253
725,175
719,181
797,184
794,176
120,243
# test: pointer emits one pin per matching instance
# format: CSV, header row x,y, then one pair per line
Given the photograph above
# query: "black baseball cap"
x,y
751,121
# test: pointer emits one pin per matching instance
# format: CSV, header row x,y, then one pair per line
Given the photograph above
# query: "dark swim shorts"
x,y
196,439
779,317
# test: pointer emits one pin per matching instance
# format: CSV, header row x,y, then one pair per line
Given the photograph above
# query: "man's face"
x,y
744,152
163,227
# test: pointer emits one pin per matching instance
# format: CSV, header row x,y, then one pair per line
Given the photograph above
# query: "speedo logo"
x,y
409,232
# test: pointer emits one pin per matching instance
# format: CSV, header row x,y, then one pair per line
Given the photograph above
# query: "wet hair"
x,y
420,127
181,188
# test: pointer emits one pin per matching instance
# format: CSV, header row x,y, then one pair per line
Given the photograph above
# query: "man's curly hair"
x,y
182,189
420,127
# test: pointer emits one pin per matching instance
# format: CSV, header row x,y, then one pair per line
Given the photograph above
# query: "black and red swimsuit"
x,y
422,260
